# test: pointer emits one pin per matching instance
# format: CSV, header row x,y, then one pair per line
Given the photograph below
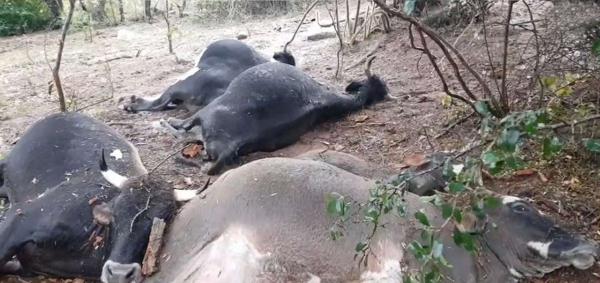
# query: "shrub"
x,y
21,16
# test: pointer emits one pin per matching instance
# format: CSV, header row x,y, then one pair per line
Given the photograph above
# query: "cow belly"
x,y
229,258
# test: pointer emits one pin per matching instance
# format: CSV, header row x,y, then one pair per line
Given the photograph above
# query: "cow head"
x,y
132,211
372,88
285,57
528,243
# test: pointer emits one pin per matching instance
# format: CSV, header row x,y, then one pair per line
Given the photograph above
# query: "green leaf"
x,y
336,205
432,276
361,247
456,187
551,147
550,82
447,211
509,139
419,215
491,159
483,108
372,214
491,202
464,240
596,48
458,215
592,145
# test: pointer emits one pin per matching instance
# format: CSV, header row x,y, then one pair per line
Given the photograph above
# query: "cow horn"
x,y
368,63
111,176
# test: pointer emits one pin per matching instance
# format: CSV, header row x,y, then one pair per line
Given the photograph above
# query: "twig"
x,y
451,126
336,27
446,47
371,52
139,213
503,94
169,33
300,24
111,87
536,68
564,124
489,54
439,73
61,46
167,158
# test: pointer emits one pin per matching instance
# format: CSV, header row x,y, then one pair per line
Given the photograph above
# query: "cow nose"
x,y
114,272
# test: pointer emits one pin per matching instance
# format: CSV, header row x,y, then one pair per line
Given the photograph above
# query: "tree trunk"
x,y
121,13
148,9
99,11
55,6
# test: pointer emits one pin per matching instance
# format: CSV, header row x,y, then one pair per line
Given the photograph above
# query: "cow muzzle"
x,y
581,256
114,272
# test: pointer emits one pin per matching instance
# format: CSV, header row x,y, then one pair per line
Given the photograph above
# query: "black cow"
x,y
67,216
221,62
270,106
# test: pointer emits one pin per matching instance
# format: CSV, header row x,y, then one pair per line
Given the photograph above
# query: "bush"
x,y
21,16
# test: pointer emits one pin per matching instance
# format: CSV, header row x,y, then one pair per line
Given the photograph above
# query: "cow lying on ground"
x,y
266,222
67,216
221,62
270,106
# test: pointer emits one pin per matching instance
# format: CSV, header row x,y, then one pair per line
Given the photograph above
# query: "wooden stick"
x,y
149,266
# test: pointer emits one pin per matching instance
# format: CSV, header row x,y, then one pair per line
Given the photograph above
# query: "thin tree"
x,y
121,13
148,10
61,46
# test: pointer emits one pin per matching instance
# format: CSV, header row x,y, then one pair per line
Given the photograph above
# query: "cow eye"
x,y
519,207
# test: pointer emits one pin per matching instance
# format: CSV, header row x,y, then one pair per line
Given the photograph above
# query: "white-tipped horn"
x,y
368,63
186,195
111,176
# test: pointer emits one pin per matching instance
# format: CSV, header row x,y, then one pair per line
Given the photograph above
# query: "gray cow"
x,y
266,222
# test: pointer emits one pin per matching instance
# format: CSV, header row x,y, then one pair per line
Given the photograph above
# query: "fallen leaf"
x,y
415,160
524,172
361,118
188,181
543,177
192,150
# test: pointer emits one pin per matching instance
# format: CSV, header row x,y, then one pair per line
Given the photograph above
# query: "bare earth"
x,y
134,60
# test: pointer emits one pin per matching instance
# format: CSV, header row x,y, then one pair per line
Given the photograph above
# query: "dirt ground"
x,y
133,60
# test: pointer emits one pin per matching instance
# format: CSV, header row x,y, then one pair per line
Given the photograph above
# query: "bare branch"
x,y
300,24
503,95
61,46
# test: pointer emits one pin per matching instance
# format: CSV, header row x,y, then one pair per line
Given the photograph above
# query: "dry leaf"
x,y
192,150
543,177
524,172
361,118
415,160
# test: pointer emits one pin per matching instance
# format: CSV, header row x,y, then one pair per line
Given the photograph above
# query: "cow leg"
x,y
185,124
142,104
226,158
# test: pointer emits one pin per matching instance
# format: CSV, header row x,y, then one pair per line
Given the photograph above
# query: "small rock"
x,y
241,36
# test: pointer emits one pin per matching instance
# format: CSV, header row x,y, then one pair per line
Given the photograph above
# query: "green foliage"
x,y
596,48
592,145
21,16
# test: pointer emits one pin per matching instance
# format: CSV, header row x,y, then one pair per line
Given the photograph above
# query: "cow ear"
x,y
354,86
